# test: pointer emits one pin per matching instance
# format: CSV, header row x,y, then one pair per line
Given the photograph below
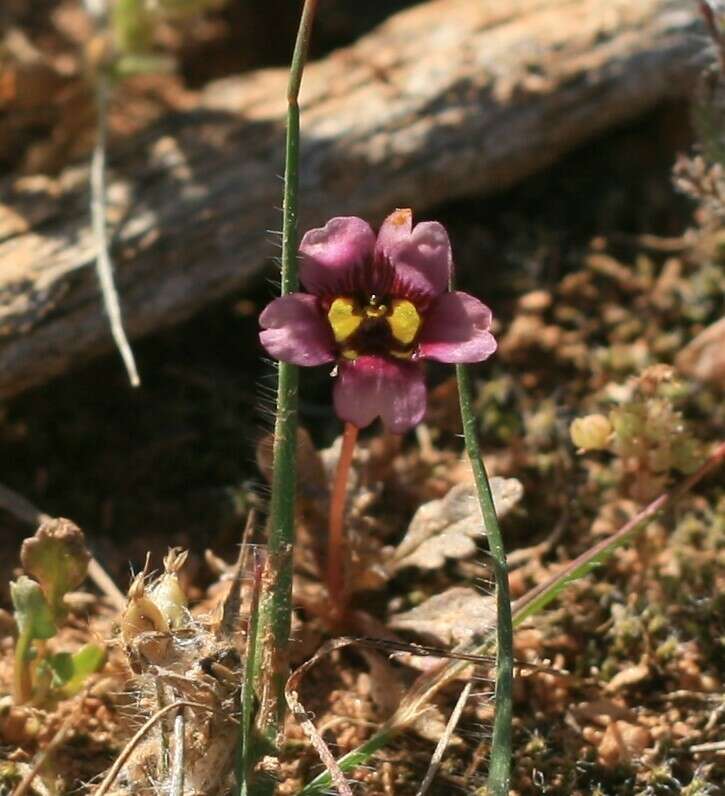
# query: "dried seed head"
x,y
175,559
142,615
167,593
150,648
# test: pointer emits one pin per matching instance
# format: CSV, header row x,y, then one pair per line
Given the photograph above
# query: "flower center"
x,y
378,326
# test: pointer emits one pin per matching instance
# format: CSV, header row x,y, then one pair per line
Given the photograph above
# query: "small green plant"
x,y
55,560
645,431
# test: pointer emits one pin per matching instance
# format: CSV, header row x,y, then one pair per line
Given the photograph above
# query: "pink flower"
x,y
377,307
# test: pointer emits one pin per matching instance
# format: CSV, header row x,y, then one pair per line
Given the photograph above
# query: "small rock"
x,y
535,301
621,742
628,676
703,359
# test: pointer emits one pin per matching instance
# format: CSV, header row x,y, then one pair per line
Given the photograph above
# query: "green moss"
x,y
698,787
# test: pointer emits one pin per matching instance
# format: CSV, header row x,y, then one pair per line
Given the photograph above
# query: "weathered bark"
x,y
447,99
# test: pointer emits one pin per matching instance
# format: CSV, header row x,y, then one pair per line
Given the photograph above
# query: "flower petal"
x,y
332,255
296,331
456,329
423,262
395,229
371,387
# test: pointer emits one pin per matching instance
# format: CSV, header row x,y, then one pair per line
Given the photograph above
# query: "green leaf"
x,y
70,672
551,593
61,667
35,621
64,675
32,612
58,559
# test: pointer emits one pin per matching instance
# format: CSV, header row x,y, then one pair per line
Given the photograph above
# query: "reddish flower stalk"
x,y
336,547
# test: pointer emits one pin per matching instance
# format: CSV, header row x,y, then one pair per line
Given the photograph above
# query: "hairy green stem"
x,y
499,772
276,607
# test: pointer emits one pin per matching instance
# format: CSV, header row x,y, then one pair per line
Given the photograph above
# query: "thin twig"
x,y
445,739
716,746
328,759
21,507
715,717
298,711
176,788
233,601
133,743
427,651
161,702
104,265
27,512
24,785
105,583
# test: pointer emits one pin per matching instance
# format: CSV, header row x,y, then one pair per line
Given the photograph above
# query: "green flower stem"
x,y
499,772
276,607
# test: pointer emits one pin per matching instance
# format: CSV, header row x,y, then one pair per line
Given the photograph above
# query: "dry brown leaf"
x,y
449,527
450,618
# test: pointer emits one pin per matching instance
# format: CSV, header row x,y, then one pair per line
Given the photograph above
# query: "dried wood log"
x,y
447,99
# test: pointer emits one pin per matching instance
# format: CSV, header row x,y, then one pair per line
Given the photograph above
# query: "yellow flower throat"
x,y
376,327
